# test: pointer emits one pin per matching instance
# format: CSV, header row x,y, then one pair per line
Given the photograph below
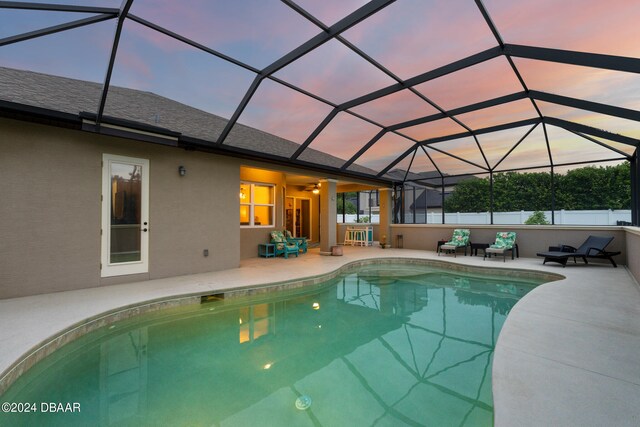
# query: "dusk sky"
x,y
408,37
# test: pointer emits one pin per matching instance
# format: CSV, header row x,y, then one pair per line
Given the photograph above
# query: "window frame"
x,y
252,204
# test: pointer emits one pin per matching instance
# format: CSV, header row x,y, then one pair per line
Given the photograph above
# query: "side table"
x,y
476,246
267,250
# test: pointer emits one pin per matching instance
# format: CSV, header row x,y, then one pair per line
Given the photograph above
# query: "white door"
x,y
125,215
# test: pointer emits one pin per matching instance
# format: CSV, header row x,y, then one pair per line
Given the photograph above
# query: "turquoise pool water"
x,y
384,346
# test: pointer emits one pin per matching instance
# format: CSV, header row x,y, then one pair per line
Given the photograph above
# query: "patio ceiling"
x,y
447,87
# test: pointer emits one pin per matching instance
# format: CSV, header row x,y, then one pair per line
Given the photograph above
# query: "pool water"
x,y
384,346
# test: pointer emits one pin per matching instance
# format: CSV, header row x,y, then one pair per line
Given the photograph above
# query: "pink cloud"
x,y
463,147
449,165
501,114
531,152
599,121
344,136
284,112
496,144
384,151
73,53
256,32
421,162
335,73
592,84
134,33
396,108
331,11
413,36
609,27
487,80
136,67
435,129
564,146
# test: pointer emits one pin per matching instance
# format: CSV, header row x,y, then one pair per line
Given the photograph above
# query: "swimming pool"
x,y
381,345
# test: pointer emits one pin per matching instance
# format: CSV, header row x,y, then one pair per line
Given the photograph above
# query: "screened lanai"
x,y
395,92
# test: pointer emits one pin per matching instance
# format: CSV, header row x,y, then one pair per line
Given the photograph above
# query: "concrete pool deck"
x,y
568,353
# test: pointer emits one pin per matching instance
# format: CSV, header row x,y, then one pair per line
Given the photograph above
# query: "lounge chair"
x,y
301,241
460,239
505,242
282,246
593,247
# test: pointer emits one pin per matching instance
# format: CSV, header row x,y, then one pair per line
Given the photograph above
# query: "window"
x,y
257,205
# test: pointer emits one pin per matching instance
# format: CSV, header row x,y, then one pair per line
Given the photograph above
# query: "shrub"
x,y
537,218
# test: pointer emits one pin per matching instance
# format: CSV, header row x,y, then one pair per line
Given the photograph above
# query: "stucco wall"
x,y
531,239
633,249
50,209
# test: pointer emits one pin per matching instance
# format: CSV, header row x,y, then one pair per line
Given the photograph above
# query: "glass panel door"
x,y
125,223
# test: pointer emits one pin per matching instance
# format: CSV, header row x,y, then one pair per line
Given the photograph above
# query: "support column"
x,y
635,189
442,200
386,215
328,215
491,196
553,196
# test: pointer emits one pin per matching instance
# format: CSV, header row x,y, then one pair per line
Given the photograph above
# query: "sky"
x,y
407,38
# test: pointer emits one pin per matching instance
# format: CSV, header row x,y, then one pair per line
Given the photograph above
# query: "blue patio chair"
x,y
301,241
283,247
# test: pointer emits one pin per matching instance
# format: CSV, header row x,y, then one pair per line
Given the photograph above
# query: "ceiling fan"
x,y
314,188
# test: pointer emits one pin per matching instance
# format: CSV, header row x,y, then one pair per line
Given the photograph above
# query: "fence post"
x,y
521,217
610,217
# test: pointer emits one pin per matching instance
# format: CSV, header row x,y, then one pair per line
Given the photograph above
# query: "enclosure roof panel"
x,y
353,87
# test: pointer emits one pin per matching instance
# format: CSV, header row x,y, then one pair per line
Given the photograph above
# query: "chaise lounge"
x,y
505,242
593,247
460,239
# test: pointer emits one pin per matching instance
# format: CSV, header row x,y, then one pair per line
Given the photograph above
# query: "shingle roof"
x,y
428,199
77,96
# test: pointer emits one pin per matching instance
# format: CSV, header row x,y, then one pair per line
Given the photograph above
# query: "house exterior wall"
x,y
51,211
633,251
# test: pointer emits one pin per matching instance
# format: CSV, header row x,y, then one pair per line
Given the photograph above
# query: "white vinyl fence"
x,y
351,218
562,217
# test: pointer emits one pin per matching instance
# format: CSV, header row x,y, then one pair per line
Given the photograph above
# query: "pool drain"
x,y
303,402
